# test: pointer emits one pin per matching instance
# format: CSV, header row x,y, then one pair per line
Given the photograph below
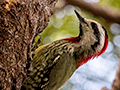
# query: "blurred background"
x,y
101,71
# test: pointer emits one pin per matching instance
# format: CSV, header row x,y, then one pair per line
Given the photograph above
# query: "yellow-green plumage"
x,y
54,63
46,73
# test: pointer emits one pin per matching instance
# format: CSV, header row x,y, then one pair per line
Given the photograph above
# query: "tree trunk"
x,y
20,22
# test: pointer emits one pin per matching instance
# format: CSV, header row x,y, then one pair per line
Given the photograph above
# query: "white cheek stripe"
x,y
102,37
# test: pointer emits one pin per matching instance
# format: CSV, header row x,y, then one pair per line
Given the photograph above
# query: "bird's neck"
x,y
87,47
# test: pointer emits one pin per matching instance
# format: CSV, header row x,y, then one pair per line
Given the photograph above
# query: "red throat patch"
x,y
77,39
96,55
73,39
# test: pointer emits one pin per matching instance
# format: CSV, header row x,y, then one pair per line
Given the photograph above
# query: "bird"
x,y
54,63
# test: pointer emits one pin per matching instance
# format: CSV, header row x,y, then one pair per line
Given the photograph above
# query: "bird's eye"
x,y
94,26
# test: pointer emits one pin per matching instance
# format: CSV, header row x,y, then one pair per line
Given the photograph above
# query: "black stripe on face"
x,y
80,30
105,31
97,34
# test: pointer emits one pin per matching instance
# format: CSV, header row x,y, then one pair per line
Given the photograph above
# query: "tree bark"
x,y
20,22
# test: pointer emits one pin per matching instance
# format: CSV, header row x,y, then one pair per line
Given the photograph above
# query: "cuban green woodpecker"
x,y
54,63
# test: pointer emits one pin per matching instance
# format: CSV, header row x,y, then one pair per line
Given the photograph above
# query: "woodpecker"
x,y
54,63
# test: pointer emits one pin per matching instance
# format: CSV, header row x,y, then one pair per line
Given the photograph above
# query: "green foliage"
x,y
67,25
60,28
114,3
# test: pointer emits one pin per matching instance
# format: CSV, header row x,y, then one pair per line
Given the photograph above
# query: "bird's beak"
x,y
81,19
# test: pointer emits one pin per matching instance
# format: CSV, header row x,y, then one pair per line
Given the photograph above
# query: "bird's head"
x,y
92,37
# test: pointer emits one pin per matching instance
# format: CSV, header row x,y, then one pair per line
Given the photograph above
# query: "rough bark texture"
x,y
20,22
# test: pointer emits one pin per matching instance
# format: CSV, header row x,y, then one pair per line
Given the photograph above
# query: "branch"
x,y
107,13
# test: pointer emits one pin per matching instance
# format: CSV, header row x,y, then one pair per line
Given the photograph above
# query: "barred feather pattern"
x,y
54,63
44,64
